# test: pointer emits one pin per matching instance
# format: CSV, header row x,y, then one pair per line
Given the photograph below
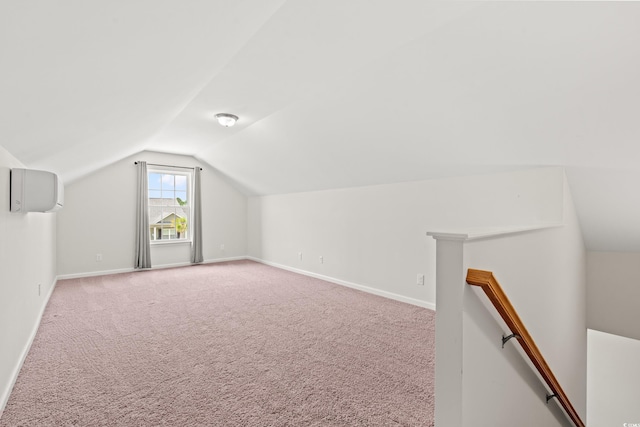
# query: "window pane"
x,y
181,227
185,213
154,181
181,182
181,198
155,213
167,217
168,182
168,206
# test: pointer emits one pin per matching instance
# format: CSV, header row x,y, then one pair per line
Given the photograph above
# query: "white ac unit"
x,y
35,191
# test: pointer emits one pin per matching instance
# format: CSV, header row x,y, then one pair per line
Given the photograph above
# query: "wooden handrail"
x,y
492,288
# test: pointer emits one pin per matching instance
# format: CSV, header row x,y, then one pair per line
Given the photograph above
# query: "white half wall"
x,y
613,387
99,218
613,293
543,273
375,236
27,277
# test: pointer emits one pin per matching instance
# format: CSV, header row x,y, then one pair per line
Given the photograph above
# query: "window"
x,y
169,207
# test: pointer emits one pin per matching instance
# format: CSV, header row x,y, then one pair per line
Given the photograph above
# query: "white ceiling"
x,y
334,93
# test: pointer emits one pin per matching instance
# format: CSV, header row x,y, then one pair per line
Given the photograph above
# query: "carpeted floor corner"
x,y
229,344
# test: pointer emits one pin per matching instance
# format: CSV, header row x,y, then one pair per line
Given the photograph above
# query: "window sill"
x,y
169,242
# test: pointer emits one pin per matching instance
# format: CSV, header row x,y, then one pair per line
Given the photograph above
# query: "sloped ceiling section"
x,y
87,83
335,93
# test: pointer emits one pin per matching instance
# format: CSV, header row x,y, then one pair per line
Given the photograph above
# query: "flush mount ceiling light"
x,y
226,120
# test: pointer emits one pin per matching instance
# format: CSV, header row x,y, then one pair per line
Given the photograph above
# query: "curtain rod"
x,y
167,166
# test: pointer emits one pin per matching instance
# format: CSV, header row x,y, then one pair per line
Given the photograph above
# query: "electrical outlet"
x,y
222,247
98,257
321,259
420,279
300,256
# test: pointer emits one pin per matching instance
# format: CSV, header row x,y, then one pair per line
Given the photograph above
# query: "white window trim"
x,y
188,172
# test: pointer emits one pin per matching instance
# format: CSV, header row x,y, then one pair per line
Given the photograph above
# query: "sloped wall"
x,y
99,218
27,261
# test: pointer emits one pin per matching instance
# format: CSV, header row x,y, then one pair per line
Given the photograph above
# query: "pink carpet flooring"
x,y
230,344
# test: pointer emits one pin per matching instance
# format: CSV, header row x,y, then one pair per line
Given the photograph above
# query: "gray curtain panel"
x,y
196,227
143,246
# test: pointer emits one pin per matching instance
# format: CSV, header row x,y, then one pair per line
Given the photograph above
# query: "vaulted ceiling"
x,y
334,93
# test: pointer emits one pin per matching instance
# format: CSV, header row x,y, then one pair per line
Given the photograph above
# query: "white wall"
x,y
99,217
613,292
375,236
27,259
544,275
613,389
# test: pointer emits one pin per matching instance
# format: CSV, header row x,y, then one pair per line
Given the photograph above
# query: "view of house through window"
x,y
169,205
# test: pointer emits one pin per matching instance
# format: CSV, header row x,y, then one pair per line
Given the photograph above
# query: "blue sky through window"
x,y
167,186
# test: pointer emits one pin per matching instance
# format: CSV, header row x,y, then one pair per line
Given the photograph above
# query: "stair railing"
x,y
498,298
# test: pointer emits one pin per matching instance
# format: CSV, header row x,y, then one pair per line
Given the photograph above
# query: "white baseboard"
x,y
207,261
155,267
364,288
4,396
94,273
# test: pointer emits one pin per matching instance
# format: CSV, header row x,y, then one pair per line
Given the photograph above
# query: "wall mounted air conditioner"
x,y
35,191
